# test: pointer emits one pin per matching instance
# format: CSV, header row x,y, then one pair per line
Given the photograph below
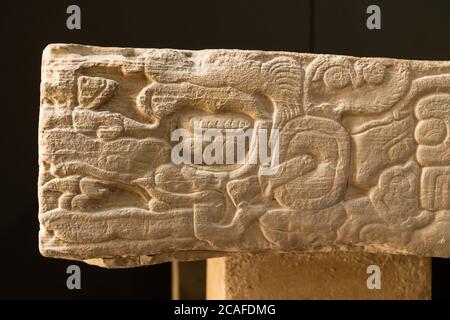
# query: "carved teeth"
x,y
225,123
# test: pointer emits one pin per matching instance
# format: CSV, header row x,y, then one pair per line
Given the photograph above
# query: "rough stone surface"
x,y
364,154
331,275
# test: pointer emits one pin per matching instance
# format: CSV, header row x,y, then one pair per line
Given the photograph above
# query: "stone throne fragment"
x,y
362,150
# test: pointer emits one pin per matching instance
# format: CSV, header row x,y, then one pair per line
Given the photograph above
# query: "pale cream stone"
x,y
308,276
364,157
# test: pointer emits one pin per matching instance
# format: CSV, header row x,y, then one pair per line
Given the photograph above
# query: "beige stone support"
x,y
332,275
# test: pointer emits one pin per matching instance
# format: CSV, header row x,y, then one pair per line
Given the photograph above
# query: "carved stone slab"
x,y
135,169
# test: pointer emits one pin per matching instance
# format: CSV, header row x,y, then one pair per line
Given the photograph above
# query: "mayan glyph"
x,y
152,155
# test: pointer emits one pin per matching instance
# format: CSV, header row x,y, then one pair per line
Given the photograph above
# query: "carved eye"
x,y
336,77
374,73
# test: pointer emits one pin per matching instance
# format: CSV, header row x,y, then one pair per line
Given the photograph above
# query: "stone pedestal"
x,y
311,153
333,275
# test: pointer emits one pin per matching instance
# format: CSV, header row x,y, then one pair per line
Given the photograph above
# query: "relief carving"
x,y
274,151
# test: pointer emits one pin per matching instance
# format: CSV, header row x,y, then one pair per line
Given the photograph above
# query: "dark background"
x,y
410,29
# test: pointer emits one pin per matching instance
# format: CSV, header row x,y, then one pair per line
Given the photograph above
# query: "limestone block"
x,y
318,275
153,155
